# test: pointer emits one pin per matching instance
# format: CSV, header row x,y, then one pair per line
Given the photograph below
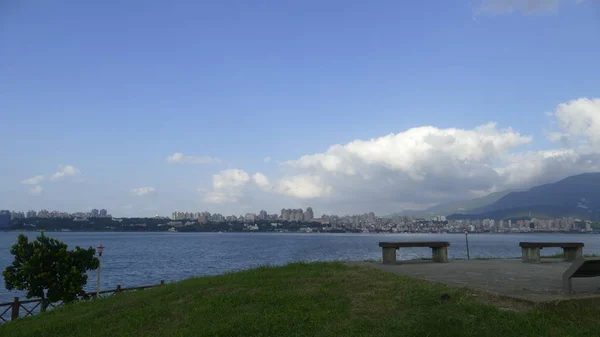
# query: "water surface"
x,y
134,259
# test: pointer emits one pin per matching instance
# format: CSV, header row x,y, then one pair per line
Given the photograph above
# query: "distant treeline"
x,y
156,225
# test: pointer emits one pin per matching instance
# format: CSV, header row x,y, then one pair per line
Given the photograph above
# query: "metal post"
x,y
15,309
100,249
467,240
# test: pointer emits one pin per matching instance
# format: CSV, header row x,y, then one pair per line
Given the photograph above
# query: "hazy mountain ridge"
x,y
462,206
577,196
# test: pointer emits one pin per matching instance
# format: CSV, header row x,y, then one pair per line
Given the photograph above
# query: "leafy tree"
x,y
46,269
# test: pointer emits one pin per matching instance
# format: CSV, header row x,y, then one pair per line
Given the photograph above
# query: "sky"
x,y
148,107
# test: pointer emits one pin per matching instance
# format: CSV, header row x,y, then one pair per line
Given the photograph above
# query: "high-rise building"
x,y
17,215
309,215
217,217
298,214
31,214
262,215
286,214
4,219
94,213
43,214
103,213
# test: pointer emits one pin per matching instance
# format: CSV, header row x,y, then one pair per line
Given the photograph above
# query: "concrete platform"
x,y
508,277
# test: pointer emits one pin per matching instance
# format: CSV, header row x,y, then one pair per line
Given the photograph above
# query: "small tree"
x,y
46,269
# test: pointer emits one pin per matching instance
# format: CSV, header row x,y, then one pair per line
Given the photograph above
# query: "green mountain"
x,y
463,206
577,196
528,212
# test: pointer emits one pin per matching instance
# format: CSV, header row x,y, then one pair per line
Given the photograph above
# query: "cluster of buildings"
x,y
532,225
56,214
286,215
297,214
201,217
306,221
406,224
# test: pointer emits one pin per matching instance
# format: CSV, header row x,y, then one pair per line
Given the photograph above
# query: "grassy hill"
x,y
321,299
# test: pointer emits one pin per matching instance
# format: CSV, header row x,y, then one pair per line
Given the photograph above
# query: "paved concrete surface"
x,y
508,277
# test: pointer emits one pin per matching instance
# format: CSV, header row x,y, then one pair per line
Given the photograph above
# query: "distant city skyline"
x,y
286,214
346,107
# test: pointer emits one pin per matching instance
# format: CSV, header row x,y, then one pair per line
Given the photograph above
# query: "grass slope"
x,y
320,299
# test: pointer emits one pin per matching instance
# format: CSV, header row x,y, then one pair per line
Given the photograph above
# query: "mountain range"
x,y
577,196
447,208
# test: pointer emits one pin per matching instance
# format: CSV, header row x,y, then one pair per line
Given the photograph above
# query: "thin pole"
x,y
15,309
467,240
98,275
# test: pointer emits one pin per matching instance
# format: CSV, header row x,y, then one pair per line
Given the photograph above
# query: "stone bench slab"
x,y
439,249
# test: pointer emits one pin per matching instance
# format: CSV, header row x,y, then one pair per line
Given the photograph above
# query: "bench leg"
x,y
440,254
572,254
389,255
567,287
530,255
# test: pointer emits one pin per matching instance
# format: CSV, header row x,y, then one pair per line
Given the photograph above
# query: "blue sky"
x,y
112,88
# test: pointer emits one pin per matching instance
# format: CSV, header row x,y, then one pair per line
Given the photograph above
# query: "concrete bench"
x,y
531,250
439,249
580,268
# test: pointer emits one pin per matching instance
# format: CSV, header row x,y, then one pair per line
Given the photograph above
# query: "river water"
x,y
134,259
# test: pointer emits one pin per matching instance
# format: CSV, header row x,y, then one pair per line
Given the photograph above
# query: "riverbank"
x,y
460,232
319,299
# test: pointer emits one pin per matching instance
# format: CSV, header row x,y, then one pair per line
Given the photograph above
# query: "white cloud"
x,y
267,159
66,171
231,178
228,186
303,187
63,172
522,6
260,180
427,165
579,121
180,158
33,180
141,191
413,152
36,190
423,165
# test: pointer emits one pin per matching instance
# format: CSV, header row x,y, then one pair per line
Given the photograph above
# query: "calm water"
x,y
133,259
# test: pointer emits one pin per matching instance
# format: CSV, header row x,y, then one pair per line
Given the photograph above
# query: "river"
x,y
134,259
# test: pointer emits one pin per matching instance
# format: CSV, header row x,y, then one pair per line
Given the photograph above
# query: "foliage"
x,y
317,299
46,269
152,225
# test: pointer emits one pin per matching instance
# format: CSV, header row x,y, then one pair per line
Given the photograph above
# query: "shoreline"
x,y
298,232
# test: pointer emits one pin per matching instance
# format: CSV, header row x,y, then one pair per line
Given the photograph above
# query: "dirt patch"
x,y
502,302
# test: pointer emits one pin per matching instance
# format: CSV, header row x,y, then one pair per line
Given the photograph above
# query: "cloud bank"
x,y
427,165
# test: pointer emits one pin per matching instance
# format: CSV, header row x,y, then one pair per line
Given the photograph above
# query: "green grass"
x,y
319,299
